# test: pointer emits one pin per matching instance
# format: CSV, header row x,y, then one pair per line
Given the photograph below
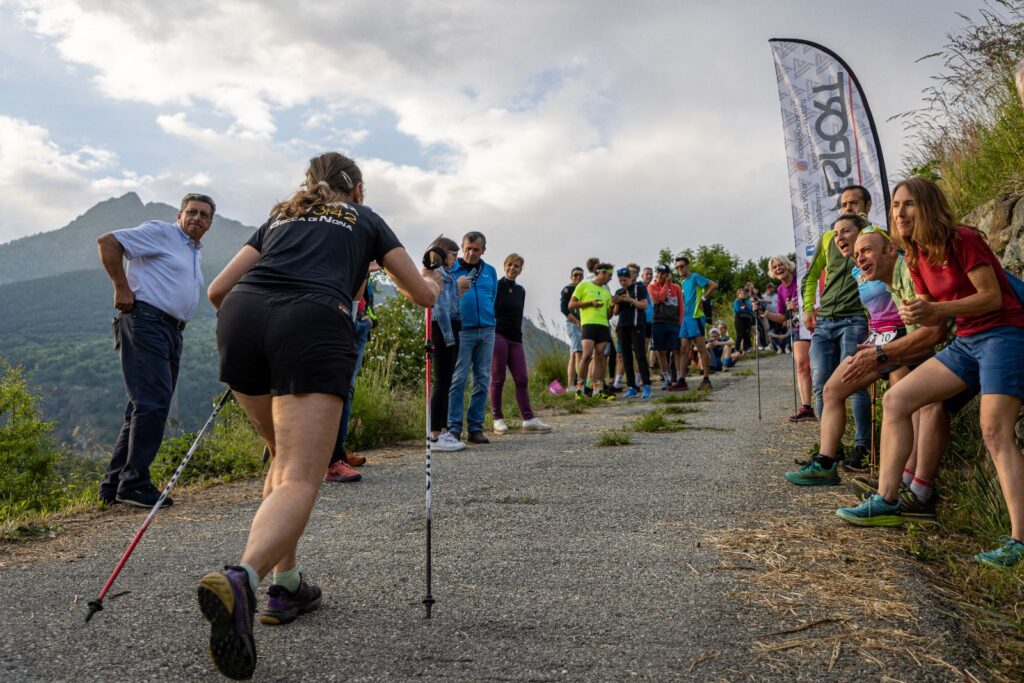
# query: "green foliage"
x,y
655,421
397,341
970,131
691,396
385,411
231,450
614,437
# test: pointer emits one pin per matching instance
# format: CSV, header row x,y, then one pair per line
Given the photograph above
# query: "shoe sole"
x,y
879,521
356,477
269,618
813,482
808,418
536,430
435,449
233,654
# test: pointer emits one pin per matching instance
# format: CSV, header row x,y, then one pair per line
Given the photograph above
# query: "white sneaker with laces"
x,y
500,427
447,443
535,425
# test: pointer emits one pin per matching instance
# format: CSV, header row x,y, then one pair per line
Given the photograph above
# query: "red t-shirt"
x,y
949,282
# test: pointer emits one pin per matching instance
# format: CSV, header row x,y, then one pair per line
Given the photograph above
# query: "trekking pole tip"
x,y
94,607
428,603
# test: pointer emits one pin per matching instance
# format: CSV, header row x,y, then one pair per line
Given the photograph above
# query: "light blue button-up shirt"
x,y
163,267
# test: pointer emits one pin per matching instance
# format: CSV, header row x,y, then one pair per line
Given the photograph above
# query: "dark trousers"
x,y
362,328
150,350
633,343
743,325
443,362
509,354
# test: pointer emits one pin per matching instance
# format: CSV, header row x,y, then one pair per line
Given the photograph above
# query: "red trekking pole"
x,y
97,604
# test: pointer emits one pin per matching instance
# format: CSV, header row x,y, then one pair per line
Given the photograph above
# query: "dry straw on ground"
x,y
837,591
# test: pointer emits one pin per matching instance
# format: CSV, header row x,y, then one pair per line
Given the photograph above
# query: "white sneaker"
x,y
446,443
535,425
500,427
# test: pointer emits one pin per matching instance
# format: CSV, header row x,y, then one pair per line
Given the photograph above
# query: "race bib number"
x,y
878,338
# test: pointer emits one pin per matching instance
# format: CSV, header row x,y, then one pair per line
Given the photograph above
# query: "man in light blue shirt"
x,y
156,295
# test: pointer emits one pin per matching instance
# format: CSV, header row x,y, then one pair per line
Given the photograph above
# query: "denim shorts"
x,y
665,337
691,328
575,337
991,362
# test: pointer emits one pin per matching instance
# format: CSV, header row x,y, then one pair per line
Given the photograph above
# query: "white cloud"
x,y
570,129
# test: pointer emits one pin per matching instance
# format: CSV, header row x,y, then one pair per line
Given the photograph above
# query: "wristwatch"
x,y
880,354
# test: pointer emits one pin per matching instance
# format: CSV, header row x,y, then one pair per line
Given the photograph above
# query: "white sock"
x,y
254,578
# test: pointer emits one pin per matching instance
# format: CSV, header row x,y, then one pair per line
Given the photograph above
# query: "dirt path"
x,y
682,555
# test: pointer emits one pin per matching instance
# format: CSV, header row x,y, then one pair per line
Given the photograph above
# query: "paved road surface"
x,y
682,556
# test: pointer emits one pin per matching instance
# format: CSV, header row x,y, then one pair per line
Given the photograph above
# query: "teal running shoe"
x,y
631,393
873,512
1007,555
646,391
814,474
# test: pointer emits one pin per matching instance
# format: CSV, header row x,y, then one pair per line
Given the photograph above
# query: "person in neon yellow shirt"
x,y
594,303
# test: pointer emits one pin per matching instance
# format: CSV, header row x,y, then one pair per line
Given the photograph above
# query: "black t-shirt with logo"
x,y
630,315
566,295
322,256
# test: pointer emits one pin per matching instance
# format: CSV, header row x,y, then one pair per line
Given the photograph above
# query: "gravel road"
x,y
554,560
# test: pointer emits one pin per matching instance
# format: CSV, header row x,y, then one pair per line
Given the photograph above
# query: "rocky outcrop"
x,y
994,218
1013,256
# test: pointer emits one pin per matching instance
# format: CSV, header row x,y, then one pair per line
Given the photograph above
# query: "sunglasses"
x,y
874,228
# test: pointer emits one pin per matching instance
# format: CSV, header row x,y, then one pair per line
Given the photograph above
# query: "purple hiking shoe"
x,y
228,604
283,607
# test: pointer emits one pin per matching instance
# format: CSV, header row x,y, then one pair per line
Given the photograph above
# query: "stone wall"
x,y
1002,221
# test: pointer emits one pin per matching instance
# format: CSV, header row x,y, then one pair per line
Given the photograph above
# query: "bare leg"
x,y
305,431
702,355
683,358
932,437
598,369
929,383
586,359
833,408
998,416
802,355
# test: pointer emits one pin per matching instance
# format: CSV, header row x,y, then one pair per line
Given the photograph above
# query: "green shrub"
x,y
655,421
614,437
231,450
383,410
30,479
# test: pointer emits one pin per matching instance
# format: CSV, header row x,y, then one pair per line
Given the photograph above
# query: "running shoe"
x,y
446,442
144,496
873,512
603,396
340,471
579,395
354,460
227,602
534,424
283,606
814,474
916,511
1007,555
500,427
477,438
705,384
861,460
804,414
631,393
646,393
679,385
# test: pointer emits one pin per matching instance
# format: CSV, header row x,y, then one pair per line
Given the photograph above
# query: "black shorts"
x,y
597,334
271,344
648,330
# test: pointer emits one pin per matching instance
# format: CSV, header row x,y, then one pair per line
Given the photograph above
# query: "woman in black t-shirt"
x,y
286,341
509,303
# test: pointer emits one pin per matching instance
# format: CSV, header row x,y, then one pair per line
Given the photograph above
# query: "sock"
x,y
908,476
825,461
618,382
289,579
254,578
921,489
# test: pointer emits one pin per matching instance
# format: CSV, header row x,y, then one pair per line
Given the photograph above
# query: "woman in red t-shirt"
x,y
956,275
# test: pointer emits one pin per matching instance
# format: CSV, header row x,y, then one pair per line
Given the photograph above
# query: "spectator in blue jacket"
x,y
476,338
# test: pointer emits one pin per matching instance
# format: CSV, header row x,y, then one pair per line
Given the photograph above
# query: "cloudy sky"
x,y
560,129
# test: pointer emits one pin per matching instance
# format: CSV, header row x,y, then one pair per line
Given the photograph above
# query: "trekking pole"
x,y
97,604
428,601
757,361
874,453
432,260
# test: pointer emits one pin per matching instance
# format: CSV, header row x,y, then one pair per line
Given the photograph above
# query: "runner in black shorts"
x,y
287,348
